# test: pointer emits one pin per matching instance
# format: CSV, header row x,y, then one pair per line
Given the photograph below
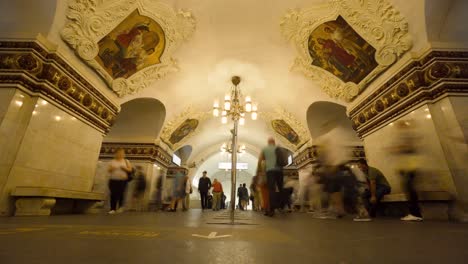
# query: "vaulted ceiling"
x,y
242,38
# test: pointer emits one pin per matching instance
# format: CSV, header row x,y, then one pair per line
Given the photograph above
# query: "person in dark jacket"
x,y
204,185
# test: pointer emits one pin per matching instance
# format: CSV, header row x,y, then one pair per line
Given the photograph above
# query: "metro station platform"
x,y
196,237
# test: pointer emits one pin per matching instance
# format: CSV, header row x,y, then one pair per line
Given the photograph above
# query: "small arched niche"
x,y
184,153
139,121
324,118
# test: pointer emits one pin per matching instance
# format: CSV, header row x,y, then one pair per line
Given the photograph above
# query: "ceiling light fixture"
x,y
235,106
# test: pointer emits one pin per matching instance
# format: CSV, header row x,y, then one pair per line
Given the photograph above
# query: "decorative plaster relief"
x,y
176,132
126,66
345,44
292,132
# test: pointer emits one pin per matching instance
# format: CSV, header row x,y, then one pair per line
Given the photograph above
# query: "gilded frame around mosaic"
x,y
89,22
375,21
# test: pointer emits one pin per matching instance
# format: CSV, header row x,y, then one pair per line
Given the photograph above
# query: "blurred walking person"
x,y
120,170
188,191
140,189
178,191
244,198
255,193
204,186
274,174
217,194
378,187
407,158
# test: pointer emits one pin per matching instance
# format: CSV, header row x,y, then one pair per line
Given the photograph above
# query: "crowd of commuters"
x,y
331,190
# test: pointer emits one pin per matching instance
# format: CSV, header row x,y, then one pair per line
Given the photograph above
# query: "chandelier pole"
x,y
236,107
233,171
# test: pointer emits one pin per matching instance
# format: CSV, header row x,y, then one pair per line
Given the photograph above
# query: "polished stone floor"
x,y
196,237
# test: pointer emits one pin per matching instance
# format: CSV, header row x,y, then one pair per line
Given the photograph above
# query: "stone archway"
x,y
139,121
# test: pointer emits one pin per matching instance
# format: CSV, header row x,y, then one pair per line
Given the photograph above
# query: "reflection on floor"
x,y
188,238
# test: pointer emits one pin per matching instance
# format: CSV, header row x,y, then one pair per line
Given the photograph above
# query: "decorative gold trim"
x,y
90,21
43,73
308,156
377,21
437,74
137,151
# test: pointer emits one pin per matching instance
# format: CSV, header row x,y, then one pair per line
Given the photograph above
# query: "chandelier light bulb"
x,y
248,107
254,108
241,121
224,113
224,120
215,112
254,115
227,105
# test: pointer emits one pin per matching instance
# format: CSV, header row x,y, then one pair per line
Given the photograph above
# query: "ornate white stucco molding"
x,y
293,122
376,21
171,126
91,20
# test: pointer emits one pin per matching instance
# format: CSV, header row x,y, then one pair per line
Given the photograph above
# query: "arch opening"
x,y
139,121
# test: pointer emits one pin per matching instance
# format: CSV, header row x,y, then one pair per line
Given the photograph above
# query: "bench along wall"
x,y
52,122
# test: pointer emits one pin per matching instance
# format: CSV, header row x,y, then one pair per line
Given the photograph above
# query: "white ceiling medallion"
x,y
290,131
345,44
176,132
130,43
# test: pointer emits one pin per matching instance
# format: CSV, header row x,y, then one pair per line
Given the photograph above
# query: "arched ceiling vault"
x,y
234,38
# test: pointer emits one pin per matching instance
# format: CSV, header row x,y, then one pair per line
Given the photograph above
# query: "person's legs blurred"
x,y
380,192
265,198
413,195
216,200
113,194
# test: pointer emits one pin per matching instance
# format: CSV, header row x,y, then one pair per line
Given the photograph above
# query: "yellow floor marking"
x,y
19,230
120,233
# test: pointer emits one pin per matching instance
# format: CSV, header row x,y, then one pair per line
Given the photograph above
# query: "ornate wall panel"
x,y
291,131
130,43
184,126
309,156
345,44
41,72
437,74
138,151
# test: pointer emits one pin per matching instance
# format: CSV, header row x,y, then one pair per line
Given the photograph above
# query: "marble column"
x,y
52,122
432,91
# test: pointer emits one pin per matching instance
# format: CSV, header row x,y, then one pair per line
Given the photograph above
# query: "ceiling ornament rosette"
x,y
90,21
168,129
376,21
291,120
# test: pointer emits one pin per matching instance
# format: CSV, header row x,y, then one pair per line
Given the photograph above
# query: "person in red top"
x,y
217,192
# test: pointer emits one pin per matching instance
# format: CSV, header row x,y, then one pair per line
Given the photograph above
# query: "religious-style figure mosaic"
x,y
285,130
187,127
337,48
136,43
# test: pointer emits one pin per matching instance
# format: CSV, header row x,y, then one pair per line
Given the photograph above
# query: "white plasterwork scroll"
x,y
88,21
376,21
